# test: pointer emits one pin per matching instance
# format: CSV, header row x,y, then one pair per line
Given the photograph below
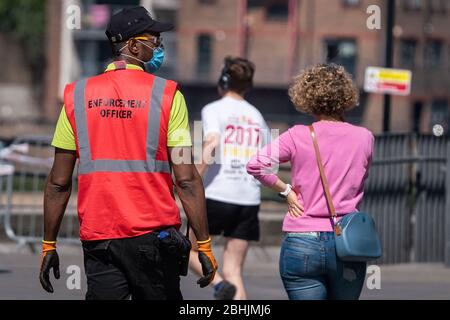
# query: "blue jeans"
x,y
310,269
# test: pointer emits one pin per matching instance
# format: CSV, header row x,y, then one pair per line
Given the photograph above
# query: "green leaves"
x,y
24,22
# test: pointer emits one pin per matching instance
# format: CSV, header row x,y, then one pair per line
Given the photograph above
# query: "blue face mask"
x,y
156,61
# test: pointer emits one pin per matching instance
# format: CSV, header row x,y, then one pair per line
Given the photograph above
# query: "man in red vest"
x,y
130,131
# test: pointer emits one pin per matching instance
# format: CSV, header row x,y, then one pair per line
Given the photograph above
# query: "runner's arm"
x,y
211,138
210,145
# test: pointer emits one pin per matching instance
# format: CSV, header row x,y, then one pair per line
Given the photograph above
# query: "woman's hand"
x,y
295,208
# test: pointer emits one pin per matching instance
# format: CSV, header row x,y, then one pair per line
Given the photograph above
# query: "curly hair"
x,y
325,89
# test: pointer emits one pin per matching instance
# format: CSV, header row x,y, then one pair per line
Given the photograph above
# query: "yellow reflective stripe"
x,y
130,66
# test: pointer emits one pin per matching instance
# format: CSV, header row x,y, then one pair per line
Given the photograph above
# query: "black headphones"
x,y
225,77
226,80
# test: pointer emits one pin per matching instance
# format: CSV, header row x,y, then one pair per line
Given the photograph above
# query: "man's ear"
x,y
132,46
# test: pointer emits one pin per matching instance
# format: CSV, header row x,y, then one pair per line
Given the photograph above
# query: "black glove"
x,y
208,262
50,260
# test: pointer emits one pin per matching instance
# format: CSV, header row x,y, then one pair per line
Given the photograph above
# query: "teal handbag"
x,y
356,237
358,240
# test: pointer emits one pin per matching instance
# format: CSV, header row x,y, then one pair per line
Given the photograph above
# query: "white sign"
x,y
388,81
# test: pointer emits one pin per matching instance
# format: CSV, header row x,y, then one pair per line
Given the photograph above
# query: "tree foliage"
x,y
24,22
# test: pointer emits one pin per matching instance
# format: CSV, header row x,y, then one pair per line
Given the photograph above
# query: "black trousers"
x,y
132,267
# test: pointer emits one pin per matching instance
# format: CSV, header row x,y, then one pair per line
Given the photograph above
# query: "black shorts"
x,y
232,220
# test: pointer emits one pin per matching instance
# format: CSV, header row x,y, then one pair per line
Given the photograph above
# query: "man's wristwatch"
x,y
285,193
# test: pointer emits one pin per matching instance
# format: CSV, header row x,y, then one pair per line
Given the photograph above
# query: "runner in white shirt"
x,y
233,131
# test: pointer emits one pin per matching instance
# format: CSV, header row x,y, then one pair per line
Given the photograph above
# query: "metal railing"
x,y
6,191
406,193
32,158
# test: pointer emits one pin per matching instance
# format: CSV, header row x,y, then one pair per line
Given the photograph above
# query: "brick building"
x,y
82,50
281,37
284,36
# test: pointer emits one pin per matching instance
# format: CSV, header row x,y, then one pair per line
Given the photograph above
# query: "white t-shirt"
x,y
243,132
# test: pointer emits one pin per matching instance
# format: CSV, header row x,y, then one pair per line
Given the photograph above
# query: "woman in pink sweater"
x,y
309,267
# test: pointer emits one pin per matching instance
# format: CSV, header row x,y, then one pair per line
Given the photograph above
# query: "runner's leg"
x,y
233,261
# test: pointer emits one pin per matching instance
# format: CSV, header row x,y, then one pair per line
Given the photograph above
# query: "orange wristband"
x,y
204,241
204,246
48,246
206,249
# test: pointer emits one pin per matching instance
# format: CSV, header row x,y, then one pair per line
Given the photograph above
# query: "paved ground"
x,y
18,278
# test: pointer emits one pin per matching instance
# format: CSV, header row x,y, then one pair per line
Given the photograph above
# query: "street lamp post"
x,y
389,60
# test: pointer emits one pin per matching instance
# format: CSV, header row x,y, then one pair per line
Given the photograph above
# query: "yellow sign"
x,y
388,81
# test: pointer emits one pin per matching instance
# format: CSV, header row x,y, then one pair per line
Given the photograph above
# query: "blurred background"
x,y
43,49
47,44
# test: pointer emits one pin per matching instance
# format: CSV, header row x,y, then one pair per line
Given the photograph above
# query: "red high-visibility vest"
x,y
120,120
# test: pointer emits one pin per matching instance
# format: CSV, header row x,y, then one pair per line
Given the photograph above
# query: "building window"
x,y
277,10
251,4
408,53
440,113
433,54
437,6
93,54
417,115
130,3
342,52
204,54
207,2
412,5
351,3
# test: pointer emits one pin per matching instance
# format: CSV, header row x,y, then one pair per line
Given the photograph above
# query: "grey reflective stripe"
x,y
127,166
154,116
87,165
